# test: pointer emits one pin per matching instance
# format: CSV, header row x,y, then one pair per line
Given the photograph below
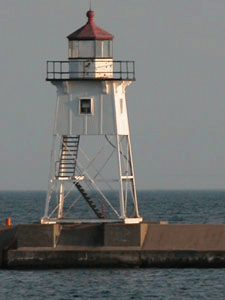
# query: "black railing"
x,y
90,69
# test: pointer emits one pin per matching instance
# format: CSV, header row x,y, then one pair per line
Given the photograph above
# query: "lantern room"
x,y
90,41
90,57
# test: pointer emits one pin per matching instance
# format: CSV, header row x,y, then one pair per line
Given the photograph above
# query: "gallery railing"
x,y
90,69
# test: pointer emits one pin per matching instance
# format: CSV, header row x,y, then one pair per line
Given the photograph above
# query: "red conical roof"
x,y
90,31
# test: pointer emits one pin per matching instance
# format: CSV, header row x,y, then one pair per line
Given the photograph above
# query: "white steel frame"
x,y
121,150
126,181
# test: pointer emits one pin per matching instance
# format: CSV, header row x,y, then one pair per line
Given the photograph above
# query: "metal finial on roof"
x,y
90,4
90,15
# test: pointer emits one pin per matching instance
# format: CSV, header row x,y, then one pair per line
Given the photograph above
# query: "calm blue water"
x,y
173,206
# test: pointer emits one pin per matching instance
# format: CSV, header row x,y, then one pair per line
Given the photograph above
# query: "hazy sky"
x,y
176,106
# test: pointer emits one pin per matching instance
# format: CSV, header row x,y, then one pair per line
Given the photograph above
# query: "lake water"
x,y
173,206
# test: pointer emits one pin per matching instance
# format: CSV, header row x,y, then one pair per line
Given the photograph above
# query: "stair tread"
x,y
68,156
88,199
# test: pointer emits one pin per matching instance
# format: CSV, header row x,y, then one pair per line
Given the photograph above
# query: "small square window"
x,y
85,106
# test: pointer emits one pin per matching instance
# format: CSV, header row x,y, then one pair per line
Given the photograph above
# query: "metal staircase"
x,y
68,156
89,201
66,167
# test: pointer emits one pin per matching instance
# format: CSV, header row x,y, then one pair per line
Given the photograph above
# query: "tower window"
x,y
86,106
121,106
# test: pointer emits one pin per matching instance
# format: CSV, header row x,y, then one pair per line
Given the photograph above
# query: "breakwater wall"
x,y
118,245
8,241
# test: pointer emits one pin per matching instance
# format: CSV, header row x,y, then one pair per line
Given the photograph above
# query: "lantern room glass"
x,y
90,49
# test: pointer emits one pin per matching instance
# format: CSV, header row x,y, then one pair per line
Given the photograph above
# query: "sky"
x,y
176,106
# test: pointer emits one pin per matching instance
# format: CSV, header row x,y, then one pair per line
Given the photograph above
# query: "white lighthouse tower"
x,y
91,171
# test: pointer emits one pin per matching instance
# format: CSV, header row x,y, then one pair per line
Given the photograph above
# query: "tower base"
x,y
131,221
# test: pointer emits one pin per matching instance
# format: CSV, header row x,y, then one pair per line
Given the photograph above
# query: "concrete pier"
x,y
8,241
118,245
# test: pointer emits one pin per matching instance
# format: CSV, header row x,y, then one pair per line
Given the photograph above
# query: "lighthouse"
x,y
91,178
